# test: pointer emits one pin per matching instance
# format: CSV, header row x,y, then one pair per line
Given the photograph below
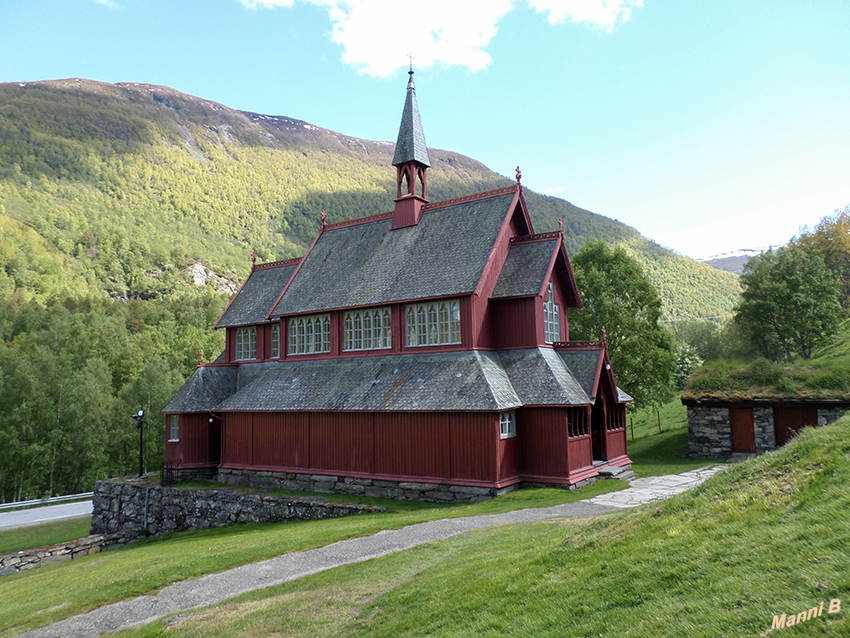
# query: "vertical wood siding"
x,y
544,441
238,437
199,441
517,325
281,439
474,437
435,445
341,441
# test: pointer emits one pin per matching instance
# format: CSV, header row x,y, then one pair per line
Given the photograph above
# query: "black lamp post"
x,y
140,417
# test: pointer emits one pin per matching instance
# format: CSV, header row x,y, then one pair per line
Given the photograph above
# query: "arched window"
x,y
246,343
552,317
275,341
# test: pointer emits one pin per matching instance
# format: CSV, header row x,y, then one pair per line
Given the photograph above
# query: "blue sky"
x,y
708,126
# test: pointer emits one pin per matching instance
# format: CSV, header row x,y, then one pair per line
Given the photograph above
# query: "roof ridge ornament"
x,y
324,218
518,178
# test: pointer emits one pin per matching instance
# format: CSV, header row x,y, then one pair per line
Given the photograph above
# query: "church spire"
x,y
411,161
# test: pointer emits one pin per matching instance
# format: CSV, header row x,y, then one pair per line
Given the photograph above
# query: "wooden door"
x,y
788,420
743,435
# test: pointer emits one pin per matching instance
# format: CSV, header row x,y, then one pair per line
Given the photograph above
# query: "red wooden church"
x,y
418,353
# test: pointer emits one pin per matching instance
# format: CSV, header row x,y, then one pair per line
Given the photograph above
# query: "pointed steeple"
x,y
411,161
411,140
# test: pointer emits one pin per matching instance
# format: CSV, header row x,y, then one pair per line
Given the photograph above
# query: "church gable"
x,y
257,295
444,255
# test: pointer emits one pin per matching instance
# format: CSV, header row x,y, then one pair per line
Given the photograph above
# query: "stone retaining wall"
x,y
32,558
131,504
372,488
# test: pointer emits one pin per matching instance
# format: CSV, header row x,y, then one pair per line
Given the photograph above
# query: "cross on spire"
x,y
411,58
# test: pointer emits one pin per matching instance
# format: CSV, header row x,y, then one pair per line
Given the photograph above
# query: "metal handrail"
x,y
46,501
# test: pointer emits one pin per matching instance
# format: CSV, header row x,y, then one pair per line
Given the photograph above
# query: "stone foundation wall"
x,y
123,505
709,432
32,558
372,488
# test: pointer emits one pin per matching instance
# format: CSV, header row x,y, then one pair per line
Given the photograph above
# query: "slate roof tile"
x,y
257,296
205,389
525,269
540,377
466,380
365,264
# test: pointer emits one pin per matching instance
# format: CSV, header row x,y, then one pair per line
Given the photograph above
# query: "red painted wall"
x,y
514,323
199,444
457,447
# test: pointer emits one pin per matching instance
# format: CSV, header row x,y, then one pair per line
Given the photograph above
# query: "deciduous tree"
x,y
790,303
619,297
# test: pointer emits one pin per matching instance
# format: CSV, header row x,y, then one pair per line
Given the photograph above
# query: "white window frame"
x,y
310,334
173,428
435,323
507,424
368,329
246,343
274,351
552,317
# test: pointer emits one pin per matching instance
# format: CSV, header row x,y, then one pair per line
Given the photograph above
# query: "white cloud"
x,y
107,3
600,13
554,191
377,35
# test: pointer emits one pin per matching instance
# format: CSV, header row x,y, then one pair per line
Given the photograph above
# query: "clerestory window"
x,y
310,334
431,324
275,339
368,329
246,343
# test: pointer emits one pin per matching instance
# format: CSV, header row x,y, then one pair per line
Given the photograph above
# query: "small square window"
x,y
507,425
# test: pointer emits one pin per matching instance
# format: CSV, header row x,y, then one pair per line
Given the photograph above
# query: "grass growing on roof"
x,y
762,538
53,592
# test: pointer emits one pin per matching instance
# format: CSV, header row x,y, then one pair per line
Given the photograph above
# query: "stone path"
x,y
647,490
213,588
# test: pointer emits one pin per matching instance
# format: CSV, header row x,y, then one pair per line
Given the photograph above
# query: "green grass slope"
x,y
125,186
761,539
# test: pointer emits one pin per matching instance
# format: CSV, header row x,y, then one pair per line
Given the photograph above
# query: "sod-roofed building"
x,y
418,353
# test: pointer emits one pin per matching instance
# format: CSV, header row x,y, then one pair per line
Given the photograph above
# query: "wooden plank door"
x,y
743,434
788,420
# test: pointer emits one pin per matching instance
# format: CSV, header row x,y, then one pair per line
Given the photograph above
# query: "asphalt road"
x,y
45,514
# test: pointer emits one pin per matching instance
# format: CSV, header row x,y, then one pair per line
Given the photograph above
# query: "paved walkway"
x,y
213,588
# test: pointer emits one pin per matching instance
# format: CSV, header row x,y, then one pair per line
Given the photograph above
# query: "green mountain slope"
x,y
120,189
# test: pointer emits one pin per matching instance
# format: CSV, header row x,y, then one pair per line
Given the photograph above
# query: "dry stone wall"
x,y
123,505
32,558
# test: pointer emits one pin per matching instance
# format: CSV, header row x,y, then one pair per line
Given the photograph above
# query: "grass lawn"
x,y
644,422
763,538
665,453
20,538
53,592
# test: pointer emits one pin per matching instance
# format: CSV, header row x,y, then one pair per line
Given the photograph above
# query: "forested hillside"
x,y
128,215
119,188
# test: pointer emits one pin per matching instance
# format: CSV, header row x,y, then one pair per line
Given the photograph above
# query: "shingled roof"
x,y
204,390
411,139
368,263
257,295
525,268
540,377
469,380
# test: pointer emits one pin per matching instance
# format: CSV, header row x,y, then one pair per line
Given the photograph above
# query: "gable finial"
x,y
603,334
324,219
199,358
561,226
253,260
518,178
